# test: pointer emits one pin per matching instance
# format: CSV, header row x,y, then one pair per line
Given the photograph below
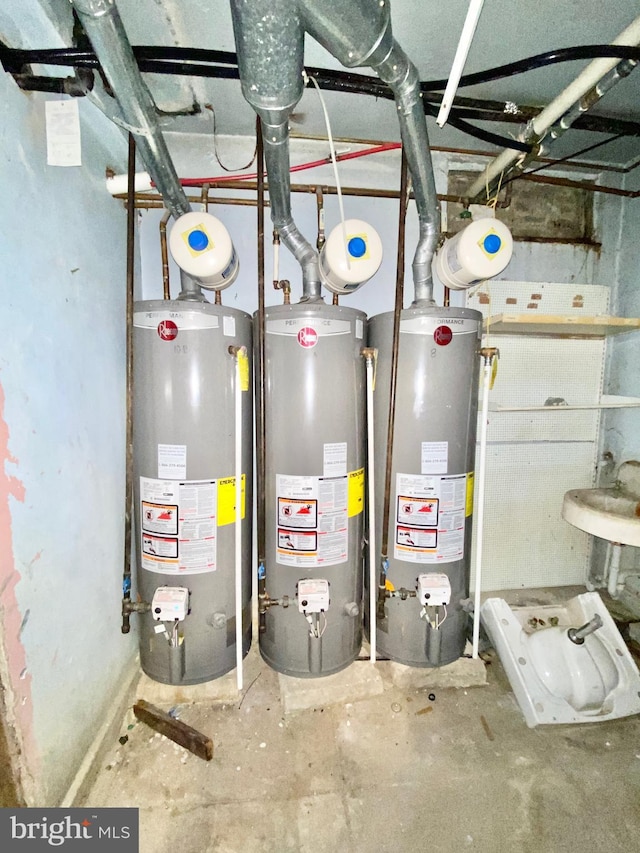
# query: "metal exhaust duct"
x,y
270,46
102,23
359,33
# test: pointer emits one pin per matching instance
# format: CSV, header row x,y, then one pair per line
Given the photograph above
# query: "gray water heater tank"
x,y
184,482
315,457
431,495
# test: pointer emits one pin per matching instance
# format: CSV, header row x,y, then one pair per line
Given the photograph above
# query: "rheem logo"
x,y
443,336
307,337
167,330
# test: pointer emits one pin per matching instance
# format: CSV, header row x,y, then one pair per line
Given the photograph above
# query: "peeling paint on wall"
x,y
14,665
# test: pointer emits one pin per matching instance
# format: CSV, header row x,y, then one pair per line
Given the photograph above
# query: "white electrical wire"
x,y
324,627
334,163
438,623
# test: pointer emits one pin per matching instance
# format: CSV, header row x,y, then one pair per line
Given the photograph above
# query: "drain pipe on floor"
x,y
103,24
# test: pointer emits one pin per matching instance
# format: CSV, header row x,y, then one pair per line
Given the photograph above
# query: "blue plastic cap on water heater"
x,y
357,247
198,240
492,243
351,255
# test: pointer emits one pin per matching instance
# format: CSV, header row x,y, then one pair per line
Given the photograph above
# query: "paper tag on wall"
x,y
62,122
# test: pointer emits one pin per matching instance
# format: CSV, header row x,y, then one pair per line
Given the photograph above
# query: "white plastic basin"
x,y
611,514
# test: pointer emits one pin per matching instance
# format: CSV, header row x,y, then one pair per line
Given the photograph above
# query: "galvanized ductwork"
x,y
270,45
359,33
102,23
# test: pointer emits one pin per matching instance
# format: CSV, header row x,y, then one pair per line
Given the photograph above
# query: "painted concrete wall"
x,y
622,429
62,368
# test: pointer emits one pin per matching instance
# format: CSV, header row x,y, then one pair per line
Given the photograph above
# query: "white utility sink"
x,y
612,514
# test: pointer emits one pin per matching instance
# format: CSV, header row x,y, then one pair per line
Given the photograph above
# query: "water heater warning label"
x,y
430,518
312,524
179,527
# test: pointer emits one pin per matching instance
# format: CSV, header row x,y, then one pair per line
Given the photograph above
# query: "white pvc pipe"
x,y
238,498
276,261
462,51
584,82
479,509
614,569
117,184
373,582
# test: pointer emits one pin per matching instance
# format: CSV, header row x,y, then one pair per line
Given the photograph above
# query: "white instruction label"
x,y
172,461
435,457
62,123
178,521
312,528
430,517
229,326
334,459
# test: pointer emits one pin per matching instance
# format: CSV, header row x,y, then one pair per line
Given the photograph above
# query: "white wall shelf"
x,y
605,402
560,325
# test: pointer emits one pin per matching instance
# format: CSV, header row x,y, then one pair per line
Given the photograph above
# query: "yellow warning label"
x,y
356,492
227,500
468,510
494,373
243,364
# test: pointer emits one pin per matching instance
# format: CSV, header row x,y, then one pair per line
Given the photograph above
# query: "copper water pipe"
x,y
166,290
128,489
397,313
261,427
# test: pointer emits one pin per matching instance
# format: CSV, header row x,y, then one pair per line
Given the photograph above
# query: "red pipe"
x,y
350,155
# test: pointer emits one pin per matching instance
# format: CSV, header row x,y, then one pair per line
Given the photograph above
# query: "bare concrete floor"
x,y
390,772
